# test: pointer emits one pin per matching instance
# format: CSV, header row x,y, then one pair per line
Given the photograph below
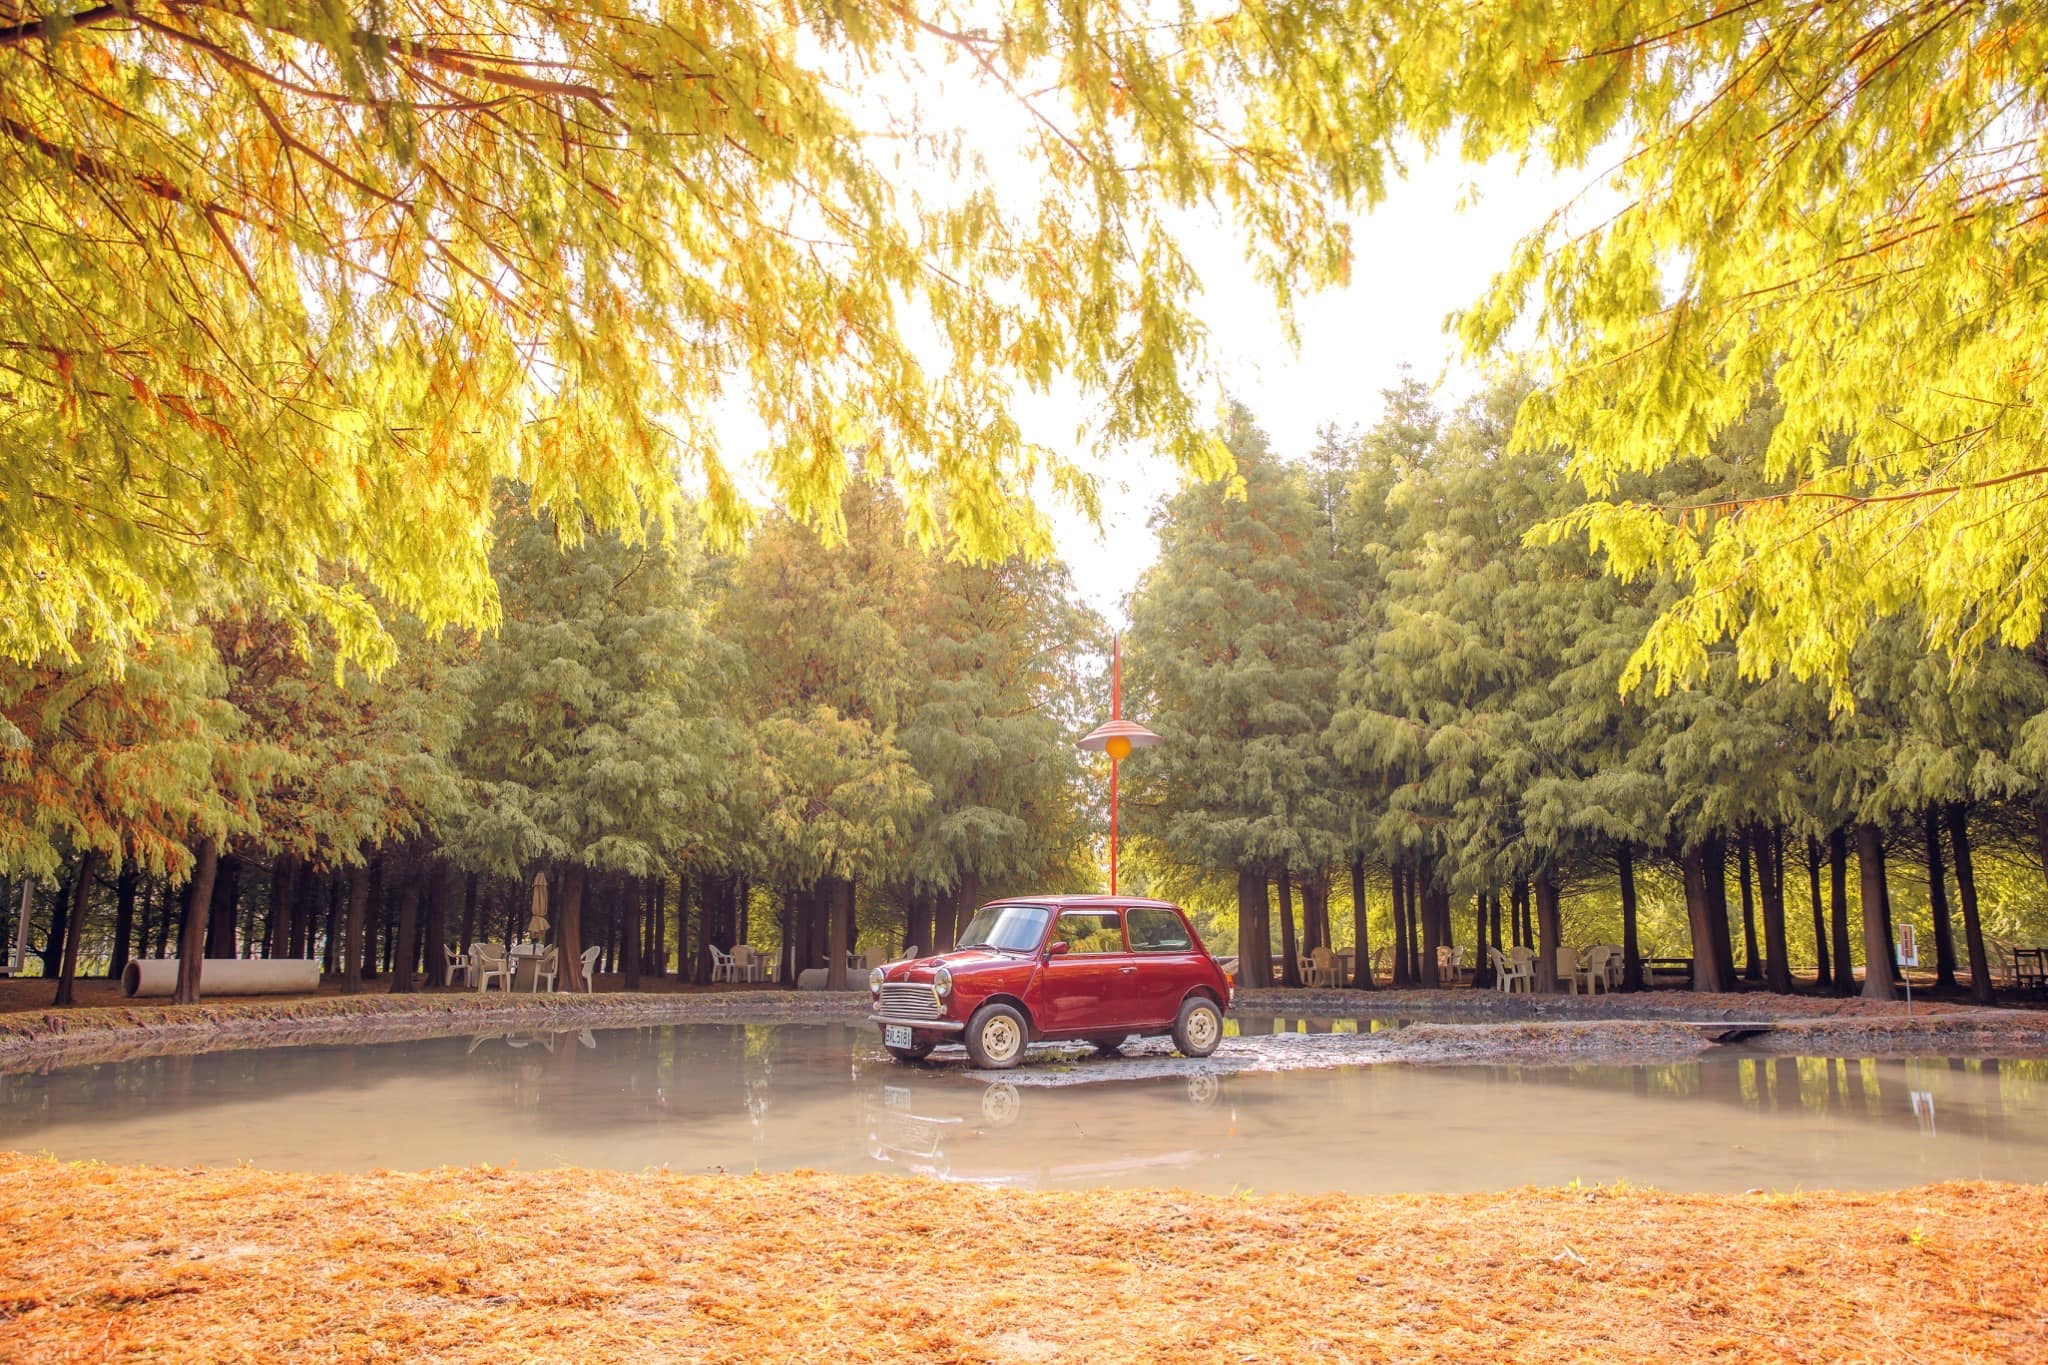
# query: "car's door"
x,y
1089,987
1167,961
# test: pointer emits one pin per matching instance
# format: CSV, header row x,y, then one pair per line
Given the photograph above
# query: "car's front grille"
x,y
907,1000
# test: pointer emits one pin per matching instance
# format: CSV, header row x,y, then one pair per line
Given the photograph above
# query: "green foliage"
x,y
1231,663
1835,210
592,736
289,288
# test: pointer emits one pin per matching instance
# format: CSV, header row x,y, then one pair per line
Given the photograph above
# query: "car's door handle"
x,y
1127,969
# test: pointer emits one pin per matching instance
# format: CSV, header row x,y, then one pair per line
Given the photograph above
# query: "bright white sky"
x,y
1417,259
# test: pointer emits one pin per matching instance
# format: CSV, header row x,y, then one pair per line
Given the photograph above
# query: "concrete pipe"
x,y
158,976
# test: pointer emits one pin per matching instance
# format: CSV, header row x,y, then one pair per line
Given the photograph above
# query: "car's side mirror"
x,y
1057,947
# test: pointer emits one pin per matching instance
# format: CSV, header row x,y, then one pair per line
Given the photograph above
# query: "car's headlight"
x,y
875,981
942,982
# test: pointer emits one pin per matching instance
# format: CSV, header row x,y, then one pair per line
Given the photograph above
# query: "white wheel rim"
x,y
1000,1039
1202,1027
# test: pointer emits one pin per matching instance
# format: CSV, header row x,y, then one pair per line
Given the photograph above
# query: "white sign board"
x,y
1909,947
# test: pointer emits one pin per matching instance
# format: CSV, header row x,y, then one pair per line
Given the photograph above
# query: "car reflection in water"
x,y
1037,1137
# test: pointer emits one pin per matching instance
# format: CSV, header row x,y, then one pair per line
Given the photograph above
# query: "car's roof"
x,y
1069,902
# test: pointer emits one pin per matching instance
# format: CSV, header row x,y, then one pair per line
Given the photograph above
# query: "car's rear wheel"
x,y
916,1052
996,1036
1199,1028
1109,1046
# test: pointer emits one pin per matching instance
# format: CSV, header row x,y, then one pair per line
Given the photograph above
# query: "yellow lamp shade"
x,y
1118,747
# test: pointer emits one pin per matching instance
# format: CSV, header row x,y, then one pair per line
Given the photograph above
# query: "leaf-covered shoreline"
x,y
485,1264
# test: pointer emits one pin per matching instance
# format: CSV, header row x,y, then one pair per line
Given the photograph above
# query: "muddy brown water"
x,y
736,1098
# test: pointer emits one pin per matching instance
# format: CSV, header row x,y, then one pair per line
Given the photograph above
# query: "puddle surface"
x,y
785,1096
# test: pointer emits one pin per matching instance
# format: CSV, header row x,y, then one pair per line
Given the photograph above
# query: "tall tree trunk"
x,y
629,933
354,923
52,955
374,911
1699,915
299,931
1549,932
1937,903
1525,926
404,947
1361,948
74,932
1290,945
1482,965
1631,944
1420,936
434,922
1823,975
1398,876
1745,849
838,905
1422,893
1254,935
192,929
1716,864
124,921
743,898
1966,885
1877,981
1770,851
1838,911
658,932
569,930
1315,910
470,888
337,892
785,972
1891,933
227,891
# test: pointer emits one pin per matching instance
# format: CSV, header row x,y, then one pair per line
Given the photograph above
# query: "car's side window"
x,y
1158,931
1090,931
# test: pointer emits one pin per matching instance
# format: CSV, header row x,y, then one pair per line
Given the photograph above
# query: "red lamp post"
x,y
1116,737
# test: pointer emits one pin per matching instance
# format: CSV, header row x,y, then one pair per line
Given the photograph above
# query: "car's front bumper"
x,y
928,1025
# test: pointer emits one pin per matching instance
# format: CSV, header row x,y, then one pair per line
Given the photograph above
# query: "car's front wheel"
x,y
996,1036
916,1052
1199,1028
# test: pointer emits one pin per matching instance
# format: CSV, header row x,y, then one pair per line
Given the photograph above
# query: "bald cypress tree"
x,y
1231,660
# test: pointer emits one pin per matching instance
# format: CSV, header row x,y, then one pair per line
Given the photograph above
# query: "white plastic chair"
x,y
589,960
1322,967
488,960
546,965
1567,960
1514,970
1450,963
722,966
457,965
1592,973
873,958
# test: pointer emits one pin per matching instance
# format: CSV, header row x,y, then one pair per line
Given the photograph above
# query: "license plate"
x,y
895,1035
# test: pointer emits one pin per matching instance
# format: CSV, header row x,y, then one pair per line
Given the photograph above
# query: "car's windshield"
x,y
1015,927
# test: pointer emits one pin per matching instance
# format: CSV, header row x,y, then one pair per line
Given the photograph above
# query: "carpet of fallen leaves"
x,y
105,1262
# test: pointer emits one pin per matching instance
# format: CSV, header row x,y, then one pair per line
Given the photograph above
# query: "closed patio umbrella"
x,y
537,922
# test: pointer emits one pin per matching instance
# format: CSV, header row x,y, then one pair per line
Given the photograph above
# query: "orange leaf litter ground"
x,y
105,1262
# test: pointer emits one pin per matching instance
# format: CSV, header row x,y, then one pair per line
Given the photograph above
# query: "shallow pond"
x,y
736,1098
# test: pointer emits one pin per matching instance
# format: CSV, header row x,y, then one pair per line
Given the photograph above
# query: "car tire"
x,y
916,1052
1199,1028
1109,1047
996,1036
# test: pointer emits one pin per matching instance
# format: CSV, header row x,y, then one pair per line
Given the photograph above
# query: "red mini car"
x,y
1093,968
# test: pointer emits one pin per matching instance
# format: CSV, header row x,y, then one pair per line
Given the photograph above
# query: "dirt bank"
x,y
103,1262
